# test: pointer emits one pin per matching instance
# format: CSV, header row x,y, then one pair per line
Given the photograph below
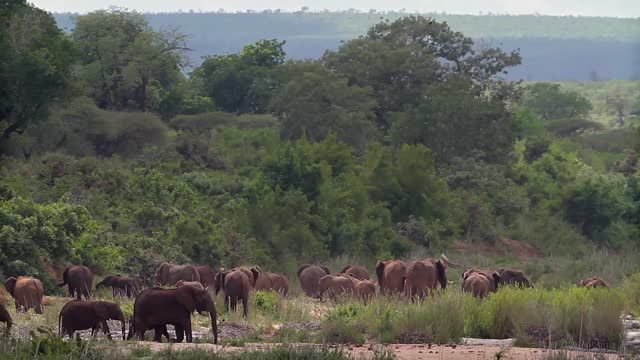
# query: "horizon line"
x,y
329,11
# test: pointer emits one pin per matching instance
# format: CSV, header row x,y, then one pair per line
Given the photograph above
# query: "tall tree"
x,y
128,65
398,59
242,82
314,102
35,64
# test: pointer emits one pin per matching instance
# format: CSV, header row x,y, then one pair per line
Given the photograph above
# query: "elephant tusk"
x,y
449,282
449,262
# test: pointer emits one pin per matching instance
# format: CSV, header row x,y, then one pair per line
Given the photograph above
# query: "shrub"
x,y
267,301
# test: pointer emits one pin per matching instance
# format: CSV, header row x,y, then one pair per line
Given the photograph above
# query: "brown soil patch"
x,y
518,248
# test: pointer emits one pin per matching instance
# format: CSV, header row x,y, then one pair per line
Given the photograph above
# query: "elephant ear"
x,y
256,273
162,273
301,268
496,278
185,296
466,274
326,269
380,271
10,285
345,268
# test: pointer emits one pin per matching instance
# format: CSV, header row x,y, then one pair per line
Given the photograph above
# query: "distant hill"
x,y
553,48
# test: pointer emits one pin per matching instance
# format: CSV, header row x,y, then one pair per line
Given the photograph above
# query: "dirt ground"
x,y
410,351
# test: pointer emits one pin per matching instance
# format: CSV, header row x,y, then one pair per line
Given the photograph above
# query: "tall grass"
x,y
570,315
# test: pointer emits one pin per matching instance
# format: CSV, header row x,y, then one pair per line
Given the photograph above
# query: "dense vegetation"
x,y
405,138
553,48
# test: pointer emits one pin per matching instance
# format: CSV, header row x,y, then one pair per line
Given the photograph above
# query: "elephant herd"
x,y
185,287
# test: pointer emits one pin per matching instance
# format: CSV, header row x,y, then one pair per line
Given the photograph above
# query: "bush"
x,y
267,301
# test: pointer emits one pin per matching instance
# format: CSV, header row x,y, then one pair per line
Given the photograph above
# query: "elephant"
x,y
391,274
272,281
78,279
121,285
27,292
5,317
594,282
365,290
309,276
236,286
79,315
207,275
492,276
478,284
422,276
193,284
358,272
514,277
253,273
155,308
169,274
335,285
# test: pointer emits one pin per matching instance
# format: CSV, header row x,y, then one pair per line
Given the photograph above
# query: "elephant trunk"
x,y
214,323
441,273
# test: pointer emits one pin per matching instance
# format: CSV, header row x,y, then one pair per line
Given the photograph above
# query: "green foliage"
x,y
126,64
405,140
550,102
34,70
243,82
314,102
267,301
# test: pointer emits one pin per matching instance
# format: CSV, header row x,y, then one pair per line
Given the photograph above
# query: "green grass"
x,y
572,315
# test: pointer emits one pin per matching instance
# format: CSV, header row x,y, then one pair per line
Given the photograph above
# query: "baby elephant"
x,y
81,315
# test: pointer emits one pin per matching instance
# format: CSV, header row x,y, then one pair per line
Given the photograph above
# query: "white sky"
x,y
614,8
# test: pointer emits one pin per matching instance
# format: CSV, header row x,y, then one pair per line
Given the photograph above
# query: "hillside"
x,y
553,48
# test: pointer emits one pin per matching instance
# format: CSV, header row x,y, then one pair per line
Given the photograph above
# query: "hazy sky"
x,y
617,8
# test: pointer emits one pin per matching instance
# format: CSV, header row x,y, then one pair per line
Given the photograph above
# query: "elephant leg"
x,y
39,308
157,334
187,331
245,305
105,329
180,330
233,304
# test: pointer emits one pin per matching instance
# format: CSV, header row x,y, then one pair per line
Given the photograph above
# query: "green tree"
x,y
128,65
398,59
552,103
455,120
314,102
35,64
241,82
